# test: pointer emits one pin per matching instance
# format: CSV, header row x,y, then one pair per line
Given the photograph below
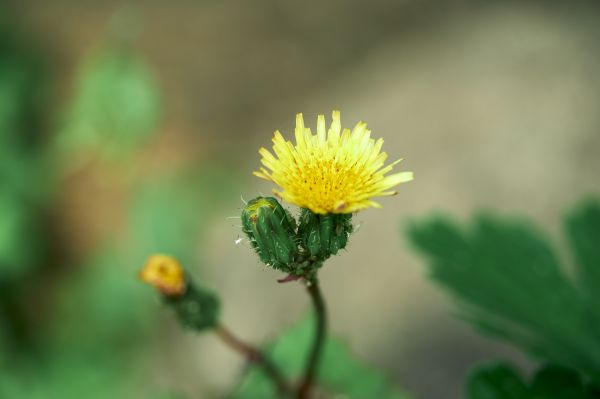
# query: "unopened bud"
x,y
324,235
271,231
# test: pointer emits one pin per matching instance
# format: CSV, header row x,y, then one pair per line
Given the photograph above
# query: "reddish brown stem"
x,y
255,356
312,364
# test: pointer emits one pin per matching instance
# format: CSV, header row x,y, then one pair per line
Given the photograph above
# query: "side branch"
x,y
255,356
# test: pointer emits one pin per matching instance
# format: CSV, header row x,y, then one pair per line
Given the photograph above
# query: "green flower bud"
x,y
324,235
197,308
271,231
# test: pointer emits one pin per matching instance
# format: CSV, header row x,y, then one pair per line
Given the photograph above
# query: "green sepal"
x,y
197,308
324,235
271,231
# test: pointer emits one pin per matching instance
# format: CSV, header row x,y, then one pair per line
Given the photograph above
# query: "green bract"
x,y
271,231
197,308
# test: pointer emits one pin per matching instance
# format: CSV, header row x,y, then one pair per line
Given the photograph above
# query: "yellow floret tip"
x,y
333,171
165,274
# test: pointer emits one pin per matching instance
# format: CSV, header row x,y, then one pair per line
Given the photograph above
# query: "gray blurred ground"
x,y
491,104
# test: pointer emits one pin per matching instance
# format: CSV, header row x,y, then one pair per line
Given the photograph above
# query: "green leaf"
x,y
496,382
502,381
116,104
103,301
23,179
557,382
583,228
339,373
22,89
64,376
583,232
509,283
19,237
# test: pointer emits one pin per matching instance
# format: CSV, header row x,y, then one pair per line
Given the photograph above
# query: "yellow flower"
x,y
164,273
334,171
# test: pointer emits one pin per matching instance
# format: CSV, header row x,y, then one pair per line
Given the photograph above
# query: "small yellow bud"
x,y
165,274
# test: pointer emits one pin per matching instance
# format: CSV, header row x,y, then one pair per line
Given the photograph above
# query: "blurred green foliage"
x,y
340,372
510,284
170,215
495,382
75,327
23,177
105,314
501,381
116,104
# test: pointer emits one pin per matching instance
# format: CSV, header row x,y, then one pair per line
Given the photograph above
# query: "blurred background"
x,y
128,129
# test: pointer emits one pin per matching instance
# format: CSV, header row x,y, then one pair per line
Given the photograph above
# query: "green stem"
x,y
312,364
255,356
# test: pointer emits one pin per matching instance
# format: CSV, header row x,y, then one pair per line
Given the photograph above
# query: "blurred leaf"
x,y
29,175
583,231
171,216
103,307
509,283
22,89
19,238
116,104
63,377
340,372
496,382
556,382
167,395
501,381
165,218
23,180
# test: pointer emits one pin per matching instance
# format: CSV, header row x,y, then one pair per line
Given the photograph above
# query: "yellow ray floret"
x,y
334,171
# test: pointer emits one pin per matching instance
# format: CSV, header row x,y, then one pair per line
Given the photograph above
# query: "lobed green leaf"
x,y
509,283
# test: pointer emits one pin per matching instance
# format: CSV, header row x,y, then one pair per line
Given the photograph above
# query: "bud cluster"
x,y
297,248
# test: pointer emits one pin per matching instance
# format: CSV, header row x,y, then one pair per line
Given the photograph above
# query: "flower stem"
x,y
312,363
255,356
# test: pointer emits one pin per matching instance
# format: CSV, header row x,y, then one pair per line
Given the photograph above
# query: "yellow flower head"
x,y
334,171
164,273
